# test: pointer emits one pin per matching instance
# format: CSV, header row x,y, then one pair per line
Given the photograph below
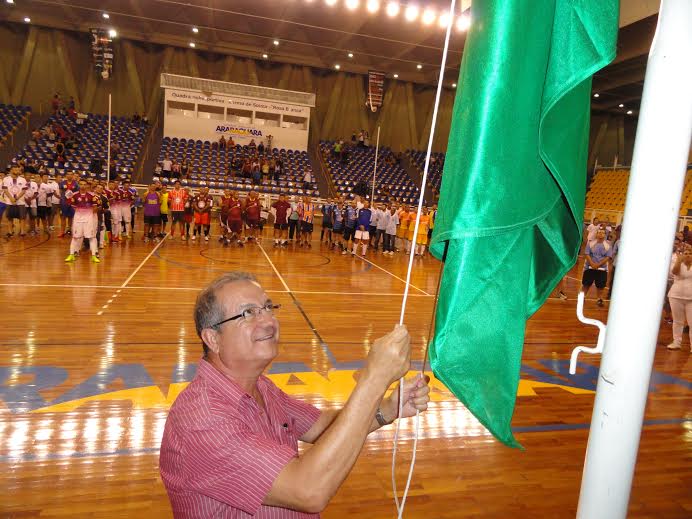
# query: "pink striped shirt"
x,y
221,452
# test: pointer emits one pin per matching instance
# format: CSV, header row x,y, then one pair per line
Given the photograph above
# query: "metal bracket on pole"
x,y
601,335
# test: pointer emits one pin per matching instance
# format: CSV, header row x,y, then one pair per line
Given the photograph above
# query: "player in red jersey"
x,y
202,204
85,223
282,207
252,215
235,218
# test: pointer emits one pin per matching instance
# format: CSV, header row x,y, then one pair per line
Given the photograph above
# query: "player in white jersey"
x,y
31,198
13,189
43,201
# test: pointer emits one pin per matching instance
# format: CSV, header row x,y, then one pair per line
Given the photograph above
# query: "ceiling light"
x,y
112,33
276,43
27,19
429,16
396,76
443,21
106,16
419,66
463,22
597,95
350,54
454,85
373,6
265,56
195,30
337,66
192,44
629,112
411,12
330,3
621,105
392,9
352,4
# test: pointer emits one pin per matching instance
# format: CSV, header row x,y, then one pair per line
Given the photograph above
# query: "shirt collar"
x,y
225,386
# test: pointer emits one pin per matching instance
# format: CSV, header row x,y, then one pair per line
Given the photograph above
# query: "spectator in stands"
x,y
185,170
366,139
270,143
599,254
145,118
252,144
166,165
256,174
247,168
222,143
115,149
136,118
176,169
55,104
307,180
337,149
680,295
278,169
260,148
265,169
158,169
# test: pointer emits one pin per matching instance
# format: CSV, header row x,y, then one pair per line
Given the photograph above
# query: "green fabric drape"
x,y
513,190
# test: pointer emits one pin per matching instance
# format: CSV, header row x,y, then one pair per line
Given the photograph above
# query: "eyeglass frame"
x,y
267,307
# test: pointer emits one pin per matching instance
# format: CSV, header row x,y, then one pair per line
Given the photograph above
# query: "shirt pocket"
x,y
287,431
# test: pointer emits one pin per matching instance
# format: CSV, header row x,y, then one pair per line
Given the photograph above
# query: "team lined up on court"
x,y
104,213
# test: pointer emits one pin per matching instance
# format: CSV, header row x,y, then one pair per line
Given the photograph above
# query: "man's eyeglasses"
x,y
251,313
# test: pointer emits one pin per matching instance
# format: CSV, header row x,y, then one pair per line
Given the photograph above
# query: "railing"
x,y
145,156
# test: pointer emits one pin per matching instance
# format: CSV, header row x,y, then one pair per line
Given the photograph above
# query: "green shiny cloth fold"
x,y
513,190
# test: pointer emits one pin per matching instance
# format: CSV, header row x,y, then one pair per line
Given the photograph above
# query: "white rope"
x,y
400,507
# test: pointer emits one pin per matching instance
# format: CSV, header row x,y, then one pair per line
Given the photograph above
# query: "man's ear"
x,y
212,339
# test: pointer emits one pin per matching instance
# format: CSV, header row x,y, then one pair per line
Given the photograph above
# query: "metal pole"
x,y
108,159
374,171
653,201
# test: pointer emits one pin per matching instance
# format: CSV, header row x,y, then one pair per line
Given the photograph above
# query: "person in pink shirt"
x,y
230,445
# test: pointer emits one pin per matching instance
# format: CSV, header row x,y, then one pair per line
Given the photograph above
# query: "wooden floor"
x,y
93,355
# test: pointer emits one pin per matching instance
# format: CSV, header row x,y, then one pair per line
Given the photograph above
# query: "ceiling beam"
x,y
619,80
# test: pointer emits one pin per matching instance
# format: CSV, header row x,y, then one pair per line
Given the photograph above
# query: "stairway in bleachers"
x,y
392,181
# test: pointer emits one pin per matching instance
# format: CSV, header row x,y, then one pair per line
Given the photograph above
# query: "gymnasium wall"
x,y
35,62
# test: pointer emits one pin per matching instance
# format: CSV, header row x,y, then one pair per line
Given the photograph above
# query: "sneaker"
x,y
599,302
344,252
353,253
673,346
70,258
563,296
206,238
221,239
94,259
145,239
194,237
184,238
240,244
115,240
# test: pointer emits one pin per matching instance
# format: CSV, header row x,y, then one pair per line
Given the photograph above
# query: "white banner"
x,y
240,103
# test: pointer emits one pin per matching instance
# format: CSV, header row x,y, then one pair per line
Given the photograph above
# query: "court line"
x,y
393,275
274,267
163,240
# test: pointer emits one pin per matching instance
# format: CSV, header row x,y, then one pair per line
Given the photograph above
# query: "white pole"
x,y
653,199
108,159
374,171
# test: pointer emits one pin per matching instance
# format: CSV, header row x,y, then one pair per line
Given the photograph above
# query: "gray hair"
x,y
208,311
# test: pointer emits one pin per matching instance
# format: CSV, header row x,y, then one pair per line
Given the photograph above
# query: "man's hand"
x,y
416,398
390,356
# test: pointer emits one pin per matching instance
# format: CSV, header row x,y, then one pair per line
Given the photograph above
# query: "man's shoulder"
x,y
198,407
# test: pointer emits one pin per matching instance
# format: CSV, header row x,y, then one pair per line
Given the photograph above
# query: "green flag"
x,y
512,197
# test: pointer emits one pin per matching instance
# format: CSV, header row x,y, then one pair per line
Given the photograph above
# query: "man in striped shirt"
x,y
230,445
